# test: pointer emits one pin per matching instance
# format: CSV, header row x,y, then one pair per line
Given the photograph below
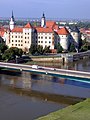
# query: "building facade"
x,y
48,34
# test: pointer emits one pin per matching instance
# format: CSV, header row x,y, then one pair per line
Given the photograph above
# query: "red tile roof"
x,y
56,27
17,29
44,30
2,31
28,25
50,24
63,31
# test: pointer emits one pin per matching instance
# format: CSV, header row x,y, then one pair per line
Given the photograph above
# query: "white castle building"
x,y
48,34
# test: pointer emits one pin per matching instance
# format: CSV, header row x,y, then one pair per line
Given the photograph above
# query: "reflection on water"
x,y
19,102
47,84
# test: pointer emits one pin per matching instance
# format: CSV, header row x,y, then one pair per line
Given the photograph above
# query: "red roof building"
x,y
17,29
44,30
2,31
63,31
28,25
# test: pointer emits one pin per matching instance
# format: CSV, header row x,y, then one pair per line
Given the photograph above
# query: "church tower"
x,y
43,21
12,22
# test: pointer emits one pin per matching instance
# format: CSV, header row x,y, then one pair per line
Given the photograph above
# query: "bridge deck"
x,y
47,70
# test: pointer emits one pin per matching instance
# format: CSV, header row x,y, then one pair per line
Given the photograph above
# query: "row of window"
x,y
43,42
20,41
17,44
27,33
17,36
17,40
44,33
43,37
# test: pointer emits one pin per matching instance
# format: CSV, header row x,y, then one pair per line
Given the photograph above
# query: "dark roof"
x,y
74,29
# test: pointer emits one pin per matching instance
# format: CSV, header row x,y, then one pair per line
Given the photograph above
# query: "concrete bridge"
x,y
74,75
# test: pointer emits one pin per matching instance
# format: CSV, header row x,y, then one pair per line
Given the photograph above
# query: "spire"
x,y
43,15
12,15
43,20
12,22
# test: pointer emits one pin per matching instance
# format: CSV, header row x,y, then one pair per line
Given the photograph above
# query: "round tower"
x,y
12,23
75,33
43,21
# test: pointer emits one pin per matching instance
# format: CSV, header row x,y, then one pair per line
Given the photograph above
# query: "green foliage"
x,y
59,48
3,47
11,53
79,111
33,49
39,50
46,50
84,48
72,48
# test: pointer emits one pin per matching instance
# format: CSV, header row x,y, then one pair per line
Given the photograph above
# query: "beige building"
x,y
48,34
21,37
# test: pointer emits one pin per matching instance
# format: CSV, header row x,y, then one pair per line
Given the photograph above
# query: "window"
x,y
41,41
18,40
15,36
41,37
21,44
38,41
49,41
25,41
15,40
21,37
49,37
12,36
45,37
12,40
12,44
45,41
25,37
16,44
21,41
28,37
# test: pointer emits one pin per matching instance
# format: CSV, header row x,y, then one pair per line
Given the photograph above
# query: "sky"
x,y
74,9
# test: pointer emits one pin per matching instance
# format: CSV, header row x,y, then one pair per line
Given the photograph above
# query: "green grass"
x,y
79,111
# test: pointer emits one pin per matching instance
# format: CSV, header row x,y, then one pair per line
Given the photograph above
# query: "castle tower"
x,y
64,34
76,36
11,24
43,21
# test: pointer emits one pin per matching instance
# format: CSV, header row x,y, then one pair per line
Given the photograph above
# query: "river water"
x,y
27,96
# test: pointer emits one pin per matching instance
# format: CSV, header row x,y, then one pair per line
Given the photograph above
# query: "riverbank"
x,y
79,111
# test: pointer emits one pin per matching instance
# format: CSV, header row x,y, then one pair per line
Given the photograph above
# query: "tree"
x,y
11,53
40,49
33,49
46,50
3,47
59,48
72,48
